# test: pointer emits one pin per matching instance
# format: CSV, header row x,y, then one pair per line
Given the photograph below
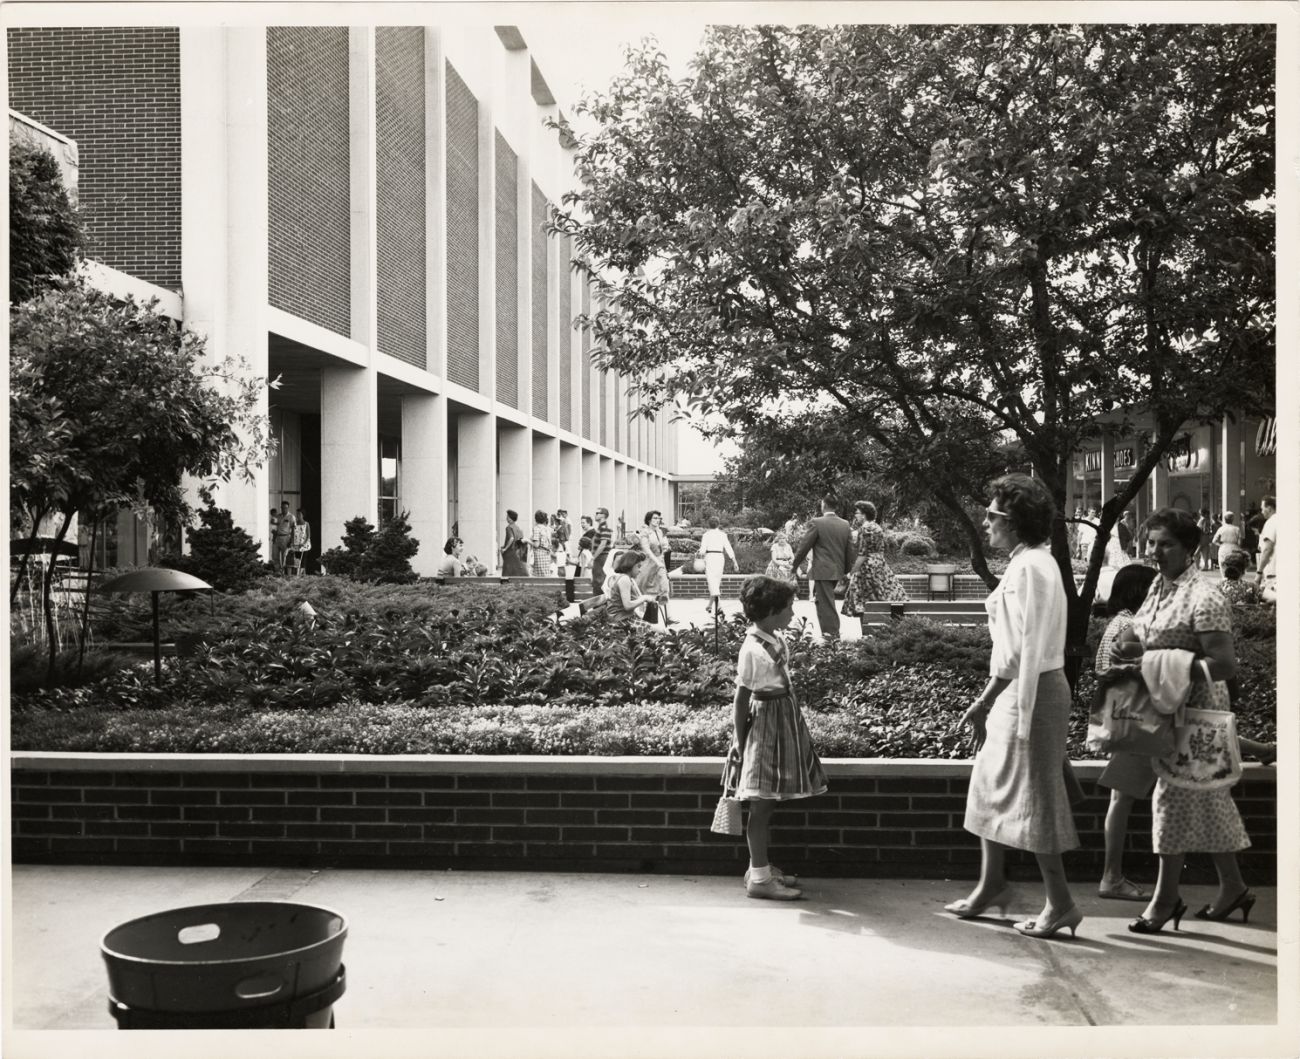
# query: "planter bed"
x,y
650,814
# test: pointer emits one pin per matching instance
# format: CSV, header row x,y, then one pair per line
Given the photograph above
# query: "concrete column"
x,y
1231,487
1107,466
424,476
546,473
622,500
224,221
571,480
435,213
476,446
1160,486
1215,501
361,184
605,491
591,482
514,474
349,449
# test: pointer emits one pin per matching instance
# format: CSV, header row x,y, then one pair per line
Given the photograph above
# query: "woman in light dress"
x,y
542,543
716,549
652,540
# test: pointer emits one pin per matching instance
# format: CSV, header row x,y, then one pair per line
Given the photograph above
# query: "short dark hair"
x,y
867,508
512,514
586,518
1028,505
1129,588
1271,501
450,546
540,516
628,560
712,521
651,514
1181,524
1233,564
762,596
830,503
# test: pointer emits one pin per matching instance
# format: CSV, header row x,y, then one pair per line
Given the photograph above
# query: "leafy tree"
x,y
46,237
1042,228
111,404
221,553
358,533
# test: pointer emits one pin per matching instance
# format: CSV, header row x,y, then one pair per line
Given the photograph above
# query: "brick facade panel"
x,y
507,273
400,192
116,92
541,293
462,232
309,254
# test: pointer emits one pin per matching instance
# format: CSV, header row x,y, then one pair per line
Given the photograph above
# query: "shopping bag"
x,y
1123,718
1206,753
726,817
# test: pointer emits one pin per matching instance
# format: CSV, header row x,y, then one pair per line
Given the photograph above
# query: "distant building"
x,y
358,212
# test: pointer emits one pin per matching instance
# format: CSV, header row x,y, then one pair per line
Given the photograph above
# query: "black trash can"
x,y
241,965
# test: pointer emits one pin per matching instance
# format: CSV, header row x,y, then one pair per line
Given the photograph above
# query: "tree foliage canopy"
x,y
111,403
949,234
45,234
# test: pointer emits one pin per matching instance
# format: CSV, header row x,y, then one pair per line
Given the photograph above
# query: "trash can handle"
x,y
197,933
259,986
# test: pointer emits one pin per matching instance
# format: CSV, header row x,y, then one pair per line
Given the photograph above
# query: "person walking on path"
x,y
1227,537
1017,796
284,525
1268,550
601,542
301,544
652,541
829,541
561,532
772,749
1185,611
541,542
1128,776
514,548
872,577
715,546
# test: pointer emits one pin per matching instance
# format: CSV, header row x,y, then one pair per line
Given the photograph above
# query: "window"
x,y
389,479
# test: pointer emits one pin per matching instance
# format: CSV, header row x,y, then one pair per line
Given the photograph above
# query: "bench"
x,y
953,612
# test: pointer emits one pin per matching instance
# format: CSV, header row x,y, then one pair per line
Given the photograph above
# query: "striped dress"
x,y
778,761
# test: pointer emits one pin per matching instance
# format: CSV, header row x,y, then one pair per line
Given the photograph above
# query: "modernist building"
x,y
358,212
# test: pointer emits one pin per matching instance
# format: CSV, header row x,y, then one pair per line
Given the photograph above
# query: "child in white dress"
x,y
772,746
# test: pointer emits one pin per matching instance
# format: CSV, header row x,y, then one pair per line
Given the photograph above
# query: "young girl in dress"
x,y
772,747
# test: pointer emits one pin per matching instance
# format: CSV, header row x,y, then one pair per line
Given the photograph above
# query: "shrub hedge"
x,y
482,669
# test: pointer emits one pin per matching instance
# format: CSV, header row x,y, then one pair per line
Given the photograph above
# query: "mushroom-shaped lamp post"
x,y
153,580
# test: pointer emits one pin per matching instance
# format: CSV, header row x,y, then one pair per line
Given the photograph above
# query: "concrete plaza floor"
x,y
461,956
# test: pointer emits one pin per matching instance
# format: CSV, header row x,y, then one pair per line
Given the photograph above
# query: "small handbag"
x,y
726,817
1206,754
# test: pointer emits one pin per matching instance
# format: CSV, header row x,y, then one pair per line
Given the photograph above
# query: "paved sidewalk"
x,y
502,952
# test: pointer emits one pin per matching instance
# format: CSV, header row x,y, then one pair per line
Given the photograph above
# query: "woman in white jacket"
x,y
1017,797
716,548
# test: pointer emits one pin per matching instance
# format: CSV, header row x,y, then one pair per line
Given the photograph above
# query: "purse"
x,y
1206,754
726,817
1124,719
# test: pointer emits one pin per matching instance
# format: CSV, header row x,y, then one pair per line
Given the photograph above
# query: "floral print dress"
x,y
1172,616
873,579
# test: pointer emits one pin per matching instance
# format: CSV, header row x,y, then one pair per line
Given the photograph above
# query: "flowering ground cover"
x,y
478,669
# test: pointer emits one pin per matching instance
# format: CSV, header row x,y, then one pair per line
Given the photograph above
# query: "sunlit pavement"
x,y
494,951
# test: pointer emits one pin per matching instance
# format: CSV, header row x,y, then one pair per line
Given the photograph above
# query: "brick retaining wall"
x,y
880,818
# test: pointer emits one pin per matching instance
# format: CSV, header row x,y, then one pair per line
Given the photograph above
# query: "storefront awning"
x,y
1266,437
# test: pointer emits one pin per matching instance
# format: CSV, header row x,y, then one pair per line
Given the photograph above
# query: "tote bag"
x,y
1127,720
1206,755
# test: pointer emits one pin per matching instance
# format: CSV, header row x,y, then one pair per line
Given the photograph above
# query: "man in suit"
x,y
829,539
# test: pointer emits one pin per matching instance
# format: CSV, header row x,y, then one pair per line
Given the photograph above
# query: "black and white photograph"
x,y
489,482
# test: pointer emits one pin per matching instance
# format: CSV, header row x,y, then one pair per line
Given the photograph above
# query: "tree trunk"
x,y
85,610
47,592
25,559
